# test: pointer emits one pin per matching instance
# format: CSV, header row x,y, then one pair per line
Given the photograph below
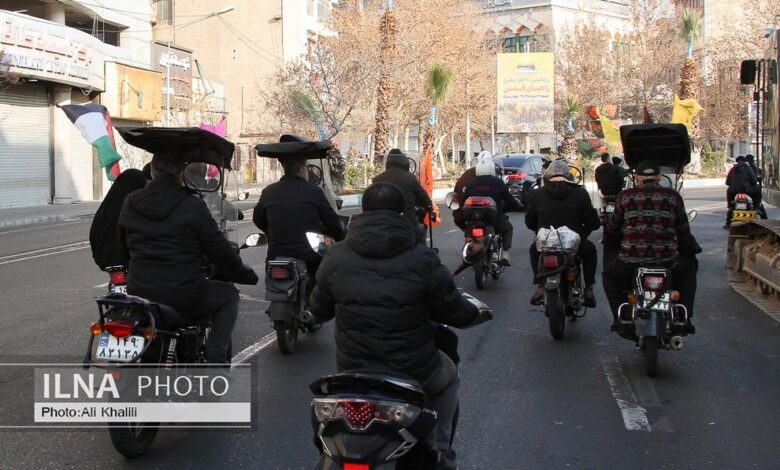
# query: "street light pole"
x,y
167,120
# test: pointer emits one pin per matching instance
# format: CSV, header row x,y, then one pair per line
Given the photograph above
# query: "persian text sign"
x,y
525,92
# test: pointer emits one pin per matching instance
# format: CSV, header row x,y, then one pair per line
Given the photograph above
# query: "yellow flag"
x,y
683,112
611,133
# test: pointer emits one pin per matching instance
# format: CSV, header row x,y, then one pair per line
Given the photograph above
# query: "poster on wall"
x,y
525,92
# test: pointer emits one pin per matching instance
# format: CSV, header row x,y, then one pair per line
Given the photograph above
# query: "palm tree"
x,y
690,77
569,146
388,29
439,80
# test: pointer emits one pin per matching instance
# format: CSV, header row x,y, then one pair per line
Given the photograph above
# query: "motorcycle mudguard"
x,y
552,281
281,311
647,326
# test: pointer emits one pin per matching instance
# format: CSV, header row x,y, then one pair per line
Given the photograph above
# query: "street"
x,y
527,401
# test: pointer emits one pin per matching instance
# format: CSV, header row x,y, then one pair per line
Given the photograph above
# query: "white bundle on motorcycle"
x,y
557,239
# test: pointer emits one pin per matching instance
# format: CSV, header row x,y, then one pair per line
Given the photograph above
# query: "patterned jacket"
x,y
650,224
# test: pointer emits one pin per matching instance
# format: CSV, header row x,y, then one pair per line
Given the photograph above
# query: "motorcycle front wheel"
x,y
133,439
286,336
651,355
555,314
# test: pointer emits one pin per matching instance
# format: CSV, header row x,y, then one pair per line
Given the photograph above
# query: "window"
x,y
164,10
517,44
323,8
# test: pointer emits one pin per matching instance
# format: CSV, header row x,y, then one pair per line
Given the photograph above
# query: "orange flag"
x,y
426,180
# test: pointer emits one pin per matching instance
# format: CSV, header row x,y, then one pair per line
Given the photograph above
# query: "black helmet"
x,y
397,158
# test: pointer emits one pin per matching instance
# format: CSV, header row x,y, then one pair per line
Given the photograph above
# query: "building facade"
x,y
62,52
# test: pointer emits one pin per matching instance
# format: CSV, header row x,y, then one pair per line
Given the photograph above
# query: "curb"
x,y
41,219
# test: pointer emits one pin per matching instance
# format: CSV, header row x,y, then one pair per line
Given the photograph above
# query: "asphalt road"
x,y
527,401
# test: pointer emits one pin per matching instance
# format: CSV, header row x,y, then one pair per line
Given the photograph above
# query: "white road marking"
x,y
453,231
50,251
634,416
44,225
252,350
105,284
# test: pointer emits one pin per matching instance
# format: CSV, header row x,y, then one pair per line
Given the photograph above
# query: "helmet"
x,y
485,164
397,158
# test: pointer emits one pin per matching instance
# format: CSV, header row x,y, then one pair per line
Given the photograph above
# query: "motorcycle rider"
x,y
562,203
487,184
457,214
166,233
755,194
291,207
384,290
650,226
608,177
397,172
740,179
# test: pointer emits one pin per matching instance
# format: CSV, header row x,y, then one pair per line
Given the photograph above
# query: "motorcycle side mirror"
x,y
255,239
319,242
692,215
451,200
243,196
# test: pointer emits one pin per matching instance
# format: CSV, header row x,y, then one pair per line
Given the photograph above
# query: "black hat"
x,y
749,158
741,159
397,158
647,168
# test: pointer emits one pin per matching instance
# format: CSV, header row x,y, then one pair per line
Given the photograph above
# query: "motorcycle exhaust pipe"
x,y
677,343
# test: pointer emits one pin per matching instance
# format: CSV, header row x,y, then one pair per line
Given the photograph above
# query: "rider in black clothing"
x,y
486,183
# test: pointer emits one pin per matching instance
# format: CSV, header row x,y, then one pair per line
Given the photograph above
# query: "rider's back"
x,y
560,203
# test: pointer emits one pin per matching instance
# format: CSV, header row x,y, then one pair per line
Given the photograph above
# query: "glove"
x,y
247,275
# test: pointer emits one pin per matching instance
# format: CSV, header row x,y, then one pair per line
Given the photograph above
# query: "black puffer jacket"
x,y
167,233
384,291
287,210
397,172
560,203
493,187
741,178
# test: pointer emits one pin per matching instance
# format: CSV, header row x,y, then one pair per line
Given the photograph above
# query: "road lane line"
x,y
16,255
634,416
42,255
105,284
45,225
452,231
252,350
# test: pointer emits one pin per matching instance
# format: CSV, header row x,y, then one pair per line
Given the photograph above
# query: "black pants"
x,y
586,252
730,195
312,265
221,304
756,195
618,279
505,228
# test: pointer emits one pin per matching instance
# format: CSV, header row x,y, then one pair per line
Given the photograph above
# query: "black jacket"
x,y
287,210
741,178
384,291
609,178
414,194
560,203
167,233
493,187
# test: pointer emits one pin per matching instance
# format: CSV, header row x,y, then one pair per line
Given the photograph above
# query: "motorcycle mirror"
x,y
319,242
202,176
692,215
256,239
451,200
243,196
315,174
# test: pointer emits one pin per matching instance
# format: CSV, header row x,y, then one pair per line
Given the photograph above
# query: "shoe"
x,y
447,460
505,260
727,225
690,329
590,299
538,297
615,326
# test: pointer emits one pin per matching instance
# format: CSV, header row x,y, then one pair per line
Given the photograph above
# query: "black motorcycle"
x,y
483,245
375,420
561,271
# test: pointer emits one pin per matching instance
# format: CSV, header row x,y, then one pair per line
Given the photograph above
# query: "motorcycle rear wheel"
x,y
651,355
481,272
286,336
133,441
555,314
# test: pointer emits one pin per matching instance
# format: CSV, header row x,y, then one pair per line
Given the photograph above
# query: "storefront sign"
x,y
133,93
50,52
179,60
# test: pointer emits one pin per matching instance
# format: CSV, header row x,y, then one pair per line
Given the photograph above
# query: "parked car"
x,y
520,173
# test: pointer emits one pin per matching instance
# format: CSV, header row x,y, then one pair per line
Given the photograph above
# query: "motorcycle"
x,y
652,310
375,419
483,245
607,208
561,270
131,330
744,209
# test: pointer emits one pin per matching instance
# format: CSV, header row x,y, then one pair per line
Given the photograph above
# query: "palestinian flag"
x,y
94,123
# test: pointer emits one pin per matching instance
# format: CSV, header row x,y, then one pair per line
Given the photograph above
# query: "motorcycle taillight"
x,y
358,414
119,328
356,466
477,232
118,277
654,283
280,273
550,261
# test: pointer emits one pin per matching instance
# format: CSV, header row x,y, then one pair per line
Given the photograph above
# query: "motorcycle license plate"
x,y
662,304
610,208
740,205
111,348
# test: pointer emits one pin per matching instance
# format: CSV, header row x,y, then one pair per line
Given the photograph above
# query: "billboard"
x,y
525,92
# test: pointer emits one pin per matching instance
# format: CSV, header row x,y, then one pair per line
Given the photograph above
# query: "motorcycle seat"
x,y
369,381
172,318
